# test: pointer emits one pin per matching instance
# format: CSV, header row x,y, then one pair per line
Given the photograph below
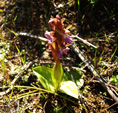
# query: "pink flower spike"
x,y
67,39
47,34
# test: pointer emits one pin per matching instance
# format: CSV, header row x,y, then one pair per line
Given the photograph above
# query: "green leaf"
x,y
69,88
57,73
75,76
80,83
44,76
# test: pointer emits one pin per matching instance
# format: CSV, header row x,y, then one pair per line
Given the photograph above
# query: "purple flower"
x,y
67,39
48,35
62,51
66,50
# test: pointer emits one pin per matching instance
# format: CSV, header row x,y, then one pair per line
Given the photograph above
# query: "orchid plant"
x,y
55,79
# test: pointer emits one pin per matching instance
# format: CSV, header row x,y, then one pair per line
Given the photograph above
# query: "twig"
x,y
109,70
81,69
109,65
101,39
109,106
32,36
46,40
92,69
84,41
25,67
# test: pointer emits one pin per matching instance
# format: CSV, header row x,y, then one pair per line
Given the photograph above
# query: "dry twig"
x,y
110,90
84,41
32,36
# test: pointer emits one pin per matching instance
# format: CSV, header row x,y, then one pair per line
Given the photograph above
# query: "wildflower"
x,y
58,38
